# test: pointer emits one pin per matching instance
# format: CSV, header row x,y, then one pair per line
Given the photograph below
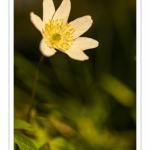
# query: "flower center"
x,y
58,34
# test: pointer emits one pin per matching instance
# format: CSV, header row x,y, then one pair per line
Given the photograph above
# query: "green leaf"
x,y
44,147
60,143
20,124
23,141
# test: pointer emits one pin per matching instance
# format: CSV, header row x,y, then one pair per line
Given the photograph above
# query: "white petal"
x,y
36,20
45,50
48,10
81,25
63,11
84,43
76,53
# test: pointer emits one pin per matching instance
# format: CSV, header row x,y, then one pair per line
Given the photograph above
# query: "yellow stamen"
x,y
58,34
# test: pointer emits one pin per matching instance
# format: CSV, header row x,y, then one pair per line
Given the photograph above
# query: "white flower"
x,y
59,34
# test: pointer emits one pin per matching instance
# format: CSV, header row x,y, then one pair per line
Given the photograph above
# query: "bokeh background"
x,y
88,105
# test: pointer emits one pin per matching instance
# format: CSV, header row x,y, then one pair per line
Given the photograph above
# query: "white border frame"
x,y
143,74
138,73
11,74
4,75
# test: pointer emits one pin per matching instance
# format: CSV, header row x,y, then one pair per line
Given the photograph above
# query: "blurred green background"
x,y
88,105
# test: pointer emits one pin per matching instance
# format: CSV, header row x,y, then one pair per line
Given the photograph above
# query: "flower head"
x,y
59,34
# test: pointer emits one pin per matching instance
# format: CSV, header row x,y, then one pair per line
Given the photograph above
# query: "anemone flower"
x,y
58,34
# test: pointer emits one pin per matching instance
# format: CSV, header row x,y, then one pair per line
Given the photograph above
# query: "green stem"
x,y
34,90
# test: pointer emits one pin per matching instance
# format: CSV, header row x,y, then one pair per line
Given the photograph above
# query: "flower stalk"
x,y
31,105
